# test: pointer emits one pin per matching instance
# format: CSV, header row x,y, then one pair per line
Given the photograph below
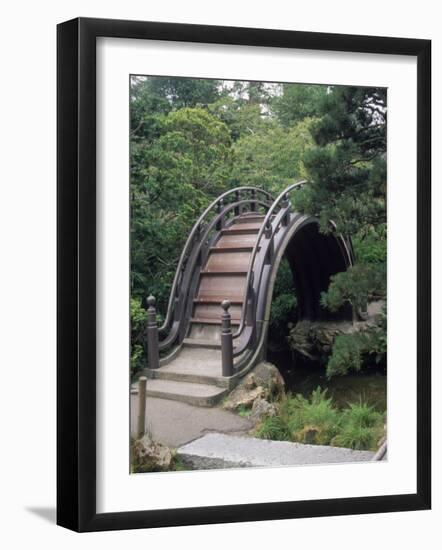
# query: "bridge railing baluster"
x,y
253,203
219,209
153,354
226,340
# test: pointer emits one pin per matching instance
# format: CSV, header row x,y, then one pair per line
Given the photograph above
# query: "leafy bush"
x,y
346,355
356,286
313,420
352,351
284,303
138,316
361,427
275,428
370,245
317,420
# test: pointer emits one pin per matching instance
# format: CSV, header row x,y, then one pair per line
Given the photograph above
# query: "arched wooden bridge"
x,y
217,319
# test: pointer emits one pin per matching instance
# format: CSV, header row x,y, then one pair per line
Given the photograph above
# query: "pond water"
x,y
303,376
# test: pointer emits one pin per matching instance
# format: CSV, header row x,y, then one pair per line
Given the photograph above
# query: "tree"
x,y
173,178
192,139
272,157
297,102
347,169
185,92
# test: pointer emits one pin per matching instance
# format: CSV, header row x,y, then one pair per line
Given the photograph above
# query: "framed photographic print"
x,y
243,274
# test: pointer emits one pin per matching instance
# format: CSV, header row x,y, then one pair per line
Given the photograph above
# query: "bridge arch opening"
x,y
313,258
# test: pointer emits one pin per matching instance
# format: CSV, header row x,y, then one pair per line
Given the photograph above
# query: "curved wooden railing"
x,y
213,218
282,207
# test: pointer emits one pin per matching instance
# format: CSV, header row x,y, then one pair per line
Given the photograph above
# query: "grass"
x,y
318,421
243,411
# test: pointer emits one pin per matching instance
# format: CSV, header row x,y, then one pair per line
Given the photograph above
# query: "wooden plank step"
x,y
211,321
236,241
220,272
227,249
234,261
241,229
214,311
250,218
214,299
227,285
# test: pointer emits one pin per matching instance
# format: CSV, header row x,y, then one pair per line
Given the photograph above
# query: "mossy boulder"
x,y
263,382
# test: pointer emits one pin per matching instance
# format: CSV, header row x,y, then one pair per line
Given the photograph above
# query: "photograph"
x,y
258,274
219,245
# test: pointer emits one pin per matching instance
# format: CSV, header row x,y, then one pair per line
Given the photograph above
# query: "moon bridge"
x,y
217,319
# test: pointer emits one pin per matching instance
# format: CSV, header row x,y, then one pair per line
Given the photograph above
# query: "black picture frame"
x,y
76,273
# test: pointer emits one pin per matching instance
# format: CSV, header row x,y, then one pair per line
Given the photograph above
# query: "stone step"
x,y
201,343
179,375
227,451
197,365
201,395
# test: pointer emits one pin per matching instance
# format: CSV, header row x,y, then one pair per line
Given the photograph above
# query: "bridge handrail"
x,y
185,254
266,223
198,247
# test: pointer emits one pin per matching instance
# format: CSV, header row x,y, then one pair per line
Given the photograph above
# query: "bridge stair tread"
x,y
202,343
212,320
241,228
203,395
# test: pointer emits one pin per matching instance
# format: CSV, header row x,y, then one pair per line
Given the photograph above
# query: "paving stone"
x,y
228,451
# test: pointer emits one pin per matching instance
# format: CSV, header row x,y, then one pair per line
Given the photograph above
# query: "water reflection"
x,y
302,376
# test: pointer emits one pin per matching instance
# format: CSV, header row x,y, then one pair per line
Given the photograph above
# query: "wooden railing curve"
x,y
195,243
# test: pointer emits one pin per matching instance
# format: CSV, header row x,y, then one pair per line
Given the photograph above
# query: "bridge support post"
x,y
219,209
253,203
268,235
226,340
238,209
285,203
153,354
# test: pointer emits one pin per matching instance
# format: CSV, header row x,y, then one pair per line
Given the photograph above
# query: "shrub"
x,y
317,421
351,351
346,355
370,245
356,286
138,317
274,427
361,427
314,420
284,300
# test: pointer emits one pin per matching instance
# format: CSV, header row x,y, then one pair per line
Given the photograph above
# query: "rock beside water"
x,y
315,339
264,382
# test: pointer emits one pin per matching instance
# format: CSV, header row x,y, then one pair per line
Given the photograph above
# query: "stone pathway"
x,y
228,451
174,423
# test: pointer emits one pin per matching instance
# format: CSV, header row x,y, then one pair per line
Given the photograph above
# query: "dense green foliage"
x,y
284,303
192,139
318,421
347,169
138,316
350,351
